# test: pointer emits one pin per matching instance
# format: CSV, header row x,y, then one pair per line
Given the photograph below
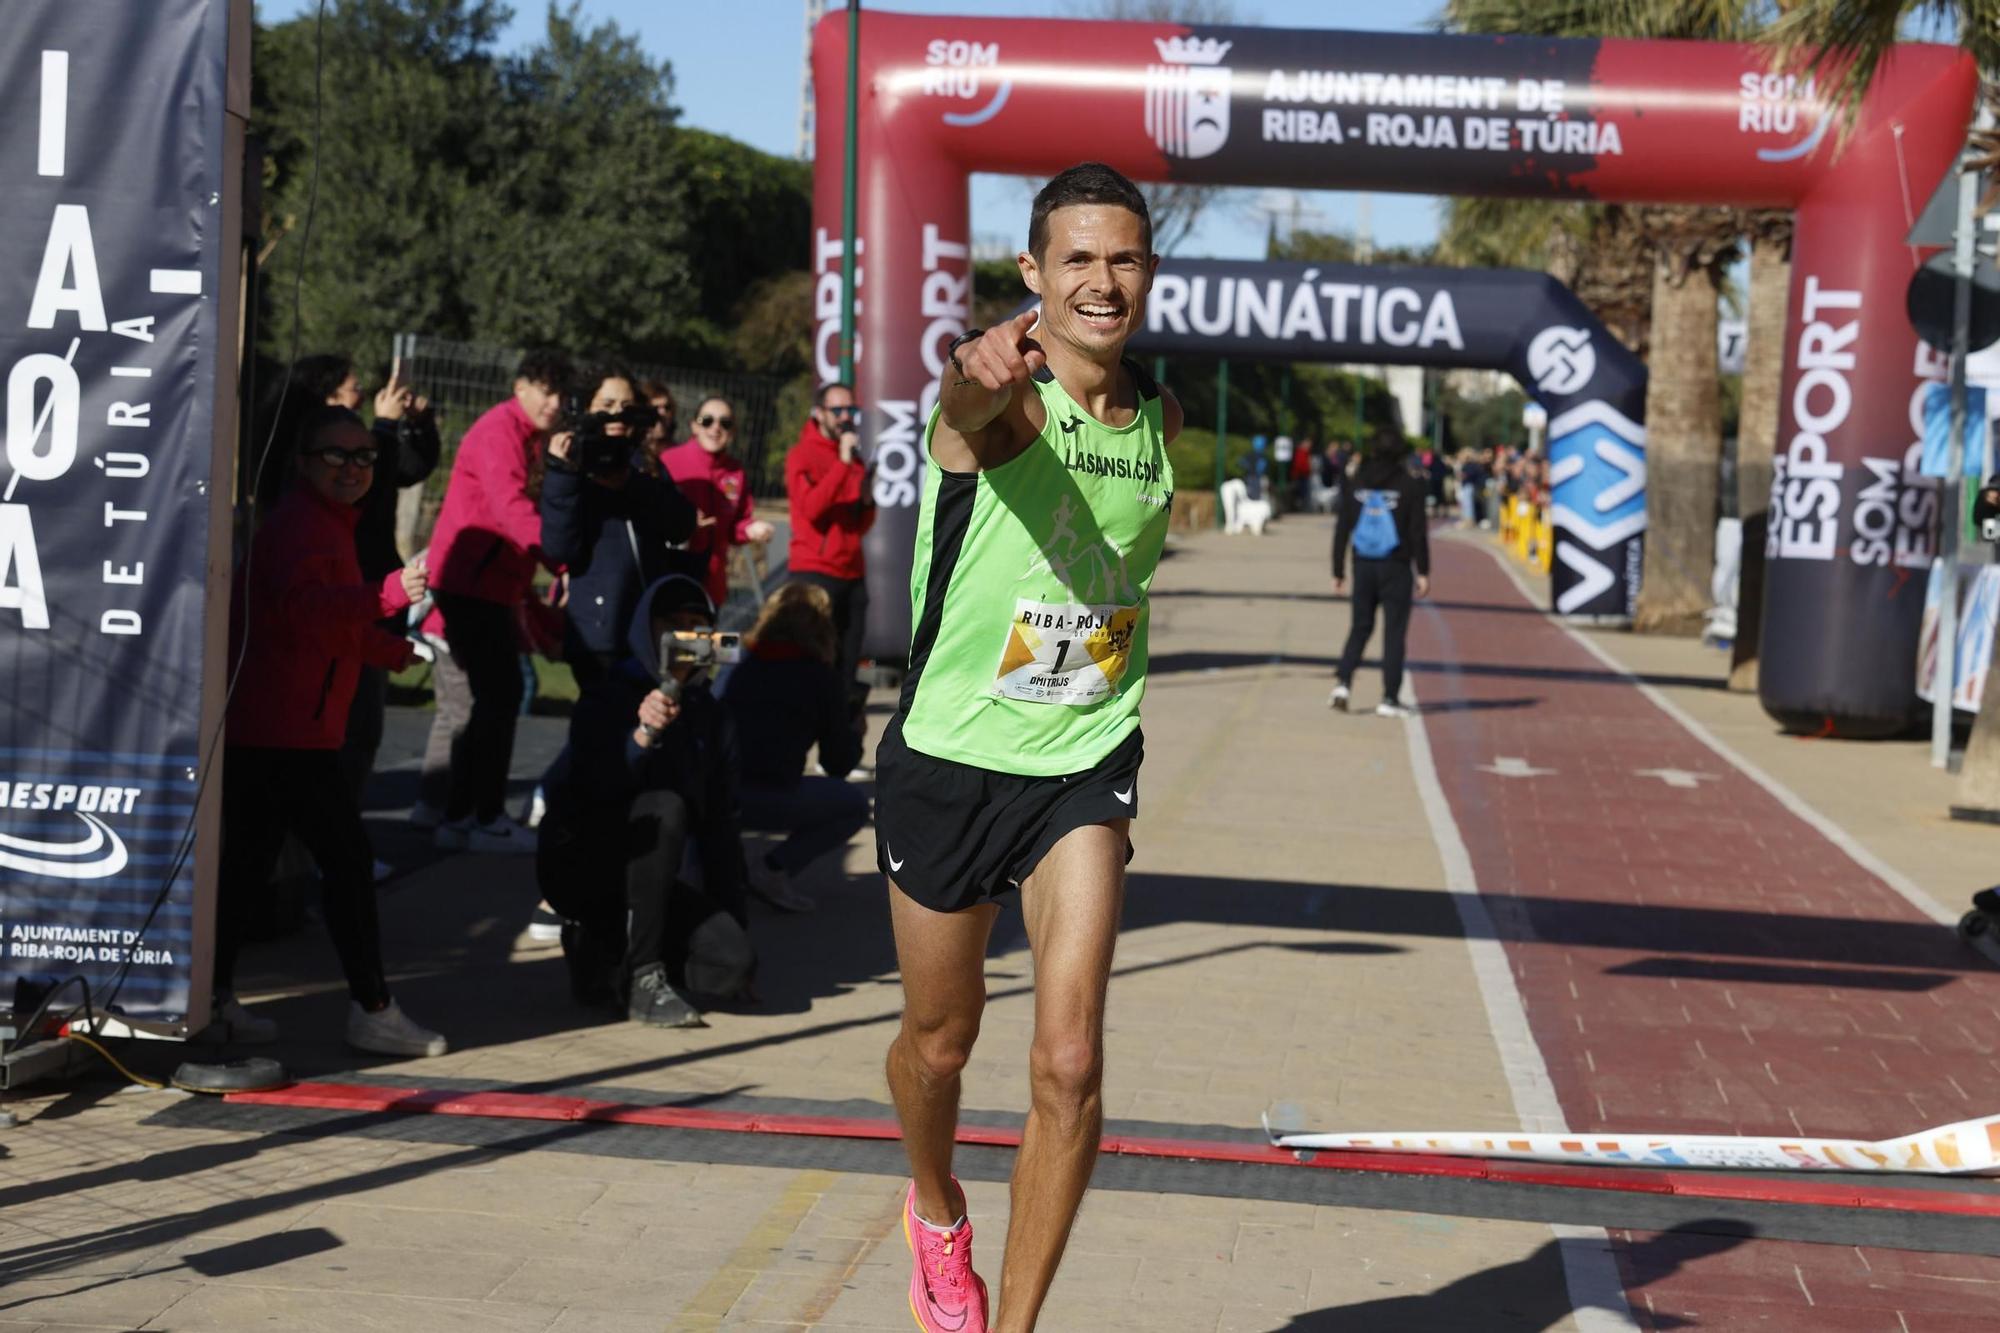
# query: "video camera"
x,y
595,452
1986,510
701,649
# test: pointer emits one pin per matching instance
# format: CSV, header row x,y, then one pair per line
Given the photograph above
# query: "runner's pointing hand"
x,y
1004,355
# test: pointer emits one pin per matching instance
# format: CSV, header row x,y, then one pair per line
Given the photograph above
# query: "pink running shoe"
x,y
946,1296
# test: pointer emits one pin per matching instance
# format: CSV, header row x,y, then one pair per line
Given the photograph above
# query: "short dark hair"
x,y
826,387
544,366
321,418
1085,183
316,377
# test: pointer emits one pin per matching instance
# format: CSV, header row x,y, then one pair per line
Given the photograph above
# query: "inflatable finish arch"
x,y
1666,122
1524,323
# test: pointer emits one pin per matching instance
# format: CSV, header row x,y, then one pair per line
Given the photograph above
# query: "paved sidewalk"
x,y
1292,944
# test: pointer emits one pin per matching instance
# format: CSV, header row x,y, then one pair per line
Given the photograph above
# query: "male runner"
x,y
1013,759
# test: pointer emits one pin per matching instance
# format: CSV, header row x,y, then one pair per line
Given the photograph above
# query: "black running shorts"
x,y
953,836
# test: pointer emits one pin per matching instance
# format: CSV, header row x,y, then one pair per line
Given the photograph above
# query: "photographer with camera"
x,y
650,767
826,479
787,698
303,626
609,517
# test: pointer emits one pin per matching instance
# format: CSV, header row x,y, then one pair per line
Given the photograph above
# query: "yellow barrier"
x,y
1526,531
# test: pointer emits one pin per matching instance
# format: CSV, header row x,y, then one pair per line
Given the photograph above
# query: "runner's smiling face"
x,y
1093,277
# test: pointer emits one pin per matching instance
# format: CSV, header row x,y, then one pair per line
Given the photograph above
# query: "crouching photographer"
x,y
610,516
650,772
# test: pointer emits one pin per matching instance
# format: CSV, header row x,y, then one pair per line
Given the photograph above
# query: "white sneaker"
x,y
538,806
231,1022
1337,701
390,1032
452,835
544,926
502,836
425,815
1390,708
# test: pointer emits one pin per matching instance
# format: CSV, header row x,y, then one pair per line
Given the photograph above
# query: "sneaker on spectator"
x,y
656,1003
1390,708
772,885
501,835
544,926
538,806
425,815
1337,701
231,1022
452,835
389,1031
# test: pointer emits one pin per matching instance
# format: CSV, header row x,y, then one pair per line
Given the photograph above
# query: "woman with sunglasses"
x,y
302,629
713,478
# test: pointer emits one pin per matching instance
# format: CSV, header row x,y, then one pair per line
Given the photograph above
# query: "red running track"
x,y
1698,959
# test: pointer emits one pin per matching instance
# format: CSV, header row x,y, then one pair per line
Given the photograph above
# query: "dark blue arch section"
x,y
1522,322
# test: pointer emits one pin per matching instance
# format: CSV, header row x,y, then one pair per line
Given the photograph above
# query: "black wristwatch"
x,y
951,352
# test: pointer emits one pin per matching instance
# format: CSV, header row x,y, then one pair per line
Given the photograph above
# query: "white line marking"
x,y
177,282
1590,1271
1779,792
54,139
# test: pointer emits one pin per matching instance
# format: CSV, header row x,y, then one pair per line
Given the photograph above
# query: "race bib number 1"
x,y
1065,654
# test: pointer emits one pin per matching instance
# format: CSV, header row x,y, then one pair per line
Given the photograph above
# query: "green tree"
x,y
407,87
581,225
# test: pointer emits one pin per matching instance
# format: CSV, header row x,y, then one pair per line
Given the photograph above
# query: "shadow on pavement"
x,y
1167,664
1528,1295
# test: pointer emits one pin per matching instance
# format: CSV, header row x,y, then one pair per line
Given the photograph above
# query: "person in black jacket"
x,y
787,696
649,770
610,516
1381,516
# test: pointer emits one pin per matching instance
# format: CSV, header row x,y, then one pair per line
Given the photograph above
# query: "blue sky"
x,y
737,64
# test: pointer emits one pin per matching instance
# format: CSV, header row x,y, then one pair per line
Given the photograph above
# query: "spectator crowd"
x,y
577,520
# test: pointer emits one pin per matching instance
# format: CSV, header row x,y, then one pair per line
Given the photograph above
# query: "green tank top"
x,y
1028,592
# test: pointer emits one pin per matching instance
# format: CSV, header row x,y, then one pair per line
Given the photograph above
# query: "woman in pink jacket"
x,y
711,477
303,629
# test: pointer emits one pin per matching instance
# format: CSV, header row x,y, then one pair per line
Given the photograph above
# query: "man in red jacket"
x,y
483,554
831,509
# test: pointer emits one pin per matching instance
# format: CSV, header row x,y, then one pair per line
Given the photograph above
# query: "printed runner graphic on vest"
x,y
1375,535
1071,652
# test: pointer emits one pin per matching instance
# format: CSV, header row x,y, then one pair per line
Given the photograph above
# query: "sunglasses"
x,y
336,458
726,423
846,410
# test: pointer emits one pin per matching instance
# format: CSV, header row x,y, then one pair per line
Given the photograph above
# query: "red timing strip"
x,y
1818,1190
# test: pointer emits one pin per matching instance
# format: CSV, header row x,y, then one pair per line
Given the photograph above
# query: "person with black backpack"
x,y
1381,515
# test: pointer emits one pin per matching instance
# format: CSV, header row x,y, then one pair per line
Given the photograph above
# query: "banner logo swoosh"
x,y
104,849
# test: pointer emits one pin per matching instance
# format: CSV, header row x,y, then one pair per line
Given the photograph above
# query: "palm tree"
x,y
1691,247
1770,233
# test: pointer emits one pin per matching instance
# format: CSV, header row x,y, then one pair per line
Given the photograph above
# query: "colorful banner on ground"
x,y
1966,1148
117,276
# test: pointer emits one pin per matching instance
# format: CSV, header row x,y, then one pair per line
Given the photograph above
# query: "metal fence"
x,y
462,380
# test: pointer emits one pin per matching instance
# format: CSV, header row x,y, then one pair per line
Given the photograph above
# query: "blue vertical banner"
x,y
118,298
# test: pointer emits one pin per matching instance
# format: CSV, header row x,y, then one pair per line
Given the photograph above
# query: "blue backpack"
x,y
1375,536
